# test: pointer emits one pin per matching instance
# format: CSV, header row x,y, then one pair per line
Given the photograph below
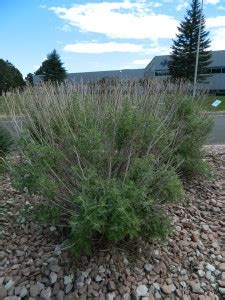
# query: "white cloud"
x,y
157,4
214,2
110,47
157,50
141,62
103,47
216,25
218,40
183,4
221,7
152,51
218,21
65,28
124,20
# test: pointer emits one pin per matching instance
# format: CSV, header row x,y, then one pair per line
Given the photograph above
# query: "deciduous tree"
x,y
10,77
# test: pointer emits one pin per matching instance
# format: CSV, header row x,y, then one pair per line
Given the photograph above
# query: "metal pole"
x,y
197,54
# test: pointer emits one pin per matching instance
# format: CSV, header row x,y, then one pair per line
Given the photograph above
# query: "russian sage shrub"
x,y
197,124
104,161
5,146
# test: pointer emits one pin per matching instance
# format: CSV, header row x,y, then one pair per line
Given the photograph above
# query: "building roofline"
x,y
106,71
168,55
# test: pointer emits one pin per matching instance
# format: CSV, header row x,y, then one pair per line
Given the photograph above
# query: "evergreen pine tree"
x,y
52,68
29,79
184,48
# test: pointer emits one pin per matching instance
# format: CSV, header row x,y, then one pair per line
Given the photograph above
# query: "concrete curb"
x,y
216,113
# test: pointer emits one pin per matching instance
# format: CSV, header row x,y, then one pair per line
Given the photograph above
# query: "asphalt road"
x,y
216,137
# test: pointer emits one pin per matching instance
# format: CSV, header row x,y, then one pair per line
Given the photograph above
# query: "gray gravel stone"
x,y
125,260
196,288
205,227
126,296
201,273
208,275
166,289
80,279
101,269
52,228
210,268
57,250
220,257
53,277
222,267
85,274
68,279
46,293
109,296
54,268
34,290
9,284
60,295
69,287
3,292
111,286
98,278
183,284
17,290
156,286
222,290
19,253
40,286
148,267
217,272
3,254
11,291
141,290
23,292
2,280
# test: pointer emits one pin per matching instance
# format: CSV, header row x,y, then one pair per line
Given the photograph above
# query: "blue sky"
x,y
97,35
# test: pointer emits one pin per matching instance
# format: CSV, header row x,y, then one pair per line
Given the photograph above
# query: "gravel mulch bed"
x,y
190,264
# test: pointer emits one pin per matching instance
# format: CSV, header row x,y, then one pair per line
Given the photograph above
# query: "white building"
x,y
158,68
215,75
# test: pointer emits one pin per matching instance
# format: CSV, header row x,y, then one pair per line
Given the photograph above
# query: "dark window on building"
x,y
216,70
162,73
